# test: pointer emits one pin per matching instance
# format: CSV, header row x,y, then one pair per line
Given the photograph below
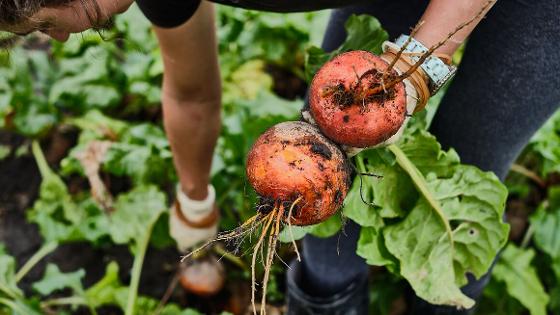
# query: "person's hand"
x,y
193,222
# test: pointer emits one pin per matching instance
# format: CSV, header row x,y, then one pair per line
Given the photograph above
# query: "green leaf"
x,y
54,280
364,33
327,228
393,194
103,292
521,279
362,211
5,151
546,225
96,95
97,126
546,143
425,254
54,211
415,242
371,246
324,229
7,273
11,297
134,212
268,104
146,305
247,81
142,153
34,118
297,233
315,58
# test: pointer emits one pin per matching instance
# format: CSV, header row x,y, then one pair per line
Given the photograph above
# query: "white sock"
x,y
196,210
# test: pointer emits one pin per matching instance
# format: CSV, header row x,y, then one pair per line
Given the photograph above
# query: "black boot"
x,y
353,300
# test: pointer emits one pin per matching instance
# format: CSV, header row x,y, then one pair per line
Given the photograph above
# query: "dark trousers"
x,y
506,87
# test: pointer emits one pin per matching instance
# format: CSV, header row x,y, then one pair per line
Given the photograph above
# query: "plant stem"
x,y
38,256
361,166
168,293
42,164
7,291
91,309
70,300
520,169
420,183
14,306
141,249
528,236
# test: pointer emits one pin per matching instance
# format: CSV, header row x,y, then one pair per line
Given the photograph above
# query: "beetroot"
x,y
292,161
343,106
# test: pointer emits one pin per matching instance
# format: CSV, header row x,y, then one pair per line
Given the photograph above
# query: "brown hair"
x,y
16,11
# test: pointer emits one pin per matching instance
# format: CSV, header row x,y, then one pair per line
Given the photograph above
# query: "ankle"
x,y
197,193
196,209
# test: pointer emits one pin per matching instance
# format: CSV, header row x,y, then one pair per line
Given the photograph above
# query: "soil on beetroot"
x,y
345,97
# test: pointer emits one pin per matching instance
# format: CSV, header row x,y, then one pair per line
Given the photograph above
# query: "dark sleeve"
x,y
168,13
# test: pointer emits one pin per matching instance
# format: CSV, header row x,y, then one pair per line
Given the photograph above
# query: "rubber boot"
x,y
353,300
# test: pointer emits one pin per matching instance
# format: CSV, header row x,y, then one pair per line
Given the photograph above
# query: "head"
x,y
57,18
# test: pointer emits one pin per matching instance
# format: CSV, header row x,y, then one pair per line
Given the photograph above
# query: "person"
x,y
504,90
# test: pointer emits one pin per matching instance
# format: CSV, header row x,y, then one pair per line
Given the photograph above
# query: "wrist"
x,y
437,71
417,84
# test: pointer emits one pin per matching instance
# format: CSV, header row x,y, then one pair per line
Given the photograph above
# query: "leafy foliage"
x,y
514,268
546,144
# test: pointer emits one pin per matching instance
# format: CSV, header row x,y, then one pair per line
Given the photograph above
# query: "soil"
x,y
286,84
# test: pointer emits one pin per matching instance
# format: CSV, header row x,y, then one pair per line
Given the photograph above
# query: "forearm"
x,y
442,17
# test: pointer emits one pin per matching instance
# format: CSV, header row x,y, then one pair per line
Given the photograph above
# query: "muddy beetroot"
x,y
292,162
343,107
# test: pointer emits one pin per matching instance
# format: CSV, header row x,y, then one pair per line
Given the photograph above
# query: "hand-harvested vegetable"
x,y
345,102
204,278
302,179
293,166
